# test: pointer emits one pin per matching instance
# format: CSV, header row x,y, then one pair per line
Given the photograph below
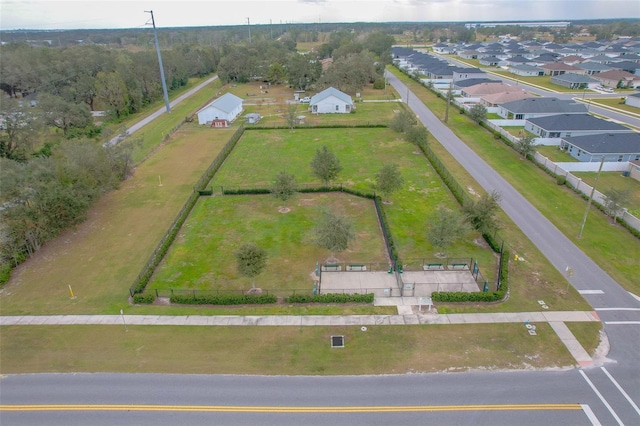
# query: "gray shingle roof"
x,y
544,105
331,91
608,143
227,102
576,122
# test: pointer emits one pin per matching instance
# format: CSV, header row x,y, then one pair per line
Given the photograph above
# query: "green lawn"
x,y
278,350
556,154
203,255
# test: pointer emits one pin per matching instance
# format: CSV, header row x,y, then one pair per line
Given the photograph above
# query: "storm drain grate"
x,y
337,341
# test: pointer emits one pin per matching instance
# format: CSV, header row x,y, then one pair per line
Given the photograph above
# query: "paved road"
x,y
619,310
140,124
523,398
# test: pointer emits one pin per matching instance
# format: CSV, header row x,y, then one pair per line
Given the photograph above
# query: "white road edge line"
x,y
589,412
604,401
617,309
633,404
590,291
635,297
622,322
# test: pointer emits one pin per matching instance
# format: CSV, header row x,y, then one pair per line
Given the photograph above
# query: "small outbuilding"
x,y
221,112
331,101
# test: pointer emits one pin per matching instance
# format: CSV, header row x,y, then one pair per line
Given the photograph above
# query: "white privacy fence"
x,y
565,169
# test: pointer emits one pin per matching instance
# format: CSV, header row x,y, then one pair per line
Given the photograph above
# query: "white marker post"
x,y
73,296
123,321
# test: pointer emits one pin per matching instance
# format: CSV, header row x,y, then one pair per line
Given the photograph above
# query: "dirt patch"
x,y
284,210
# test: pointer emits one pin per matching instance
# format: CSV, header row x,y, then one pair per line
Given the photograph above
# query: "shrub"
x,y
561,179
223,299
331,298
144,298
379,84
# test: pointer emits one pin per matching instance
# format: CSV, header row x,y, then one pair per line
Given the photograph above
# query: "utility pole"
x,y
249,25
164,84
593,189
271,28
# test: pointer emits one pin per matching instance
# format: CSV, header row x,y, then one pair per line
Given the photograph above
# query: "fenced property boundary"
x,y
200,189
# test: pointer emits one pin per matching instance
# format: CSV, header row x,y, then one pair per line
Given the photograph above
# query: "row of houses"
x,y
586,65
559,122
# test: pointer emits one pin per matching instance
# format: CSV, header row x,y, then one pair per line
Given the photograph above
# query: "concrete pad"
x,y
405,310
456,318
569,316
411,319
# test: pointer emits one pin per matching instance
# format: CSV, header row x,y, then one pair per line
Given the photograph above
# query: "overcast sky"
x,y
54,14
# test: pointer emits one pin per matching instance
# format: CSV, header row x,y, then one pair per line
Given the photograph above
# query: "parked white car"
x,y
305,100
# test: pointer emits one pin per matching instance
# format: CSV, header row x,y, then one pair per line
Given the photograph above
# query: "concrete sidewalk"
x,y
302,320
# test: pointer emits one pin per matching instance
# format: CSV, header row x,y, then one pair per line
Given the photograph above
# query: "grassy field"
x,y
102,256
203,256
612,247
556,154
278,350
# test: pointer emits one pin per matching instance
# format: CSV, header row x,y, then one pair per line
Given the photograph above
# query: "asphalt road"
x,y
140,124
523,398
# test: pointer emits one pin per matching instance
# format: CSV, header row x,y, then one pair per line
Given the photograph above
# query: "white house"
x,y
331,101
633,100
221,112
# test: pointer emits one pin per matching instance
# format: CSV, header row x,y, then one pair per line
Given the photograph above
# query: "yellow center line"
x,y
258,409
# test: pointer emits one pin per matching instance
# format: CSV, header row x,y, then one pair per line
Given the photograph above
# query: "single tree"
x,y
615,200
478,113
417,135
333,232
325,165
481,214
292,116
284,186
526,145
402,121
389,180
63,114
444,228
251,260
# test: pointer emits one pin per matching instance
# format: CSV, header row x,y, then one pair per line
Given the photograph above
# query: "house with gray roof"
x,y
612,146
331,101
526,70
633,100
461,84
591,68
566,125
574,81
490,61
539,107
221,112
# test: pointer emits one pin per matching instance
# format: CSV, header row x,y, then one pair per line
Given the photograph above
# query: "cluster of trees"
x,y
59,87
357,61
43,196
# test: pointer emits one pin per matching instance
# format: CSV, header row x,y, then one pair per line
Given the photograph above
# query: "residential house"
x,y
221,112
591,68
610,146
460,84
495,99
574,81
490,61
628,66
467,73
566,125
633,100
331,101
559,68
539,107
482,89
618,79
525,70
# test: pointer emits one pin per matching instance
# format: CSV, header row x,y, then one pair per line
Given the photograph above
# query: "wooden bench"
x,y
356,267
331,268
432,266
458,266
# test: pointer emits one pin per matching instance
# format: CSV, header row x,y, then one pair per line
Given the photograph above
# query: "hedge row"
x,y
323,126
156,257
139,298
386,232
331,298
223,299
245,191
